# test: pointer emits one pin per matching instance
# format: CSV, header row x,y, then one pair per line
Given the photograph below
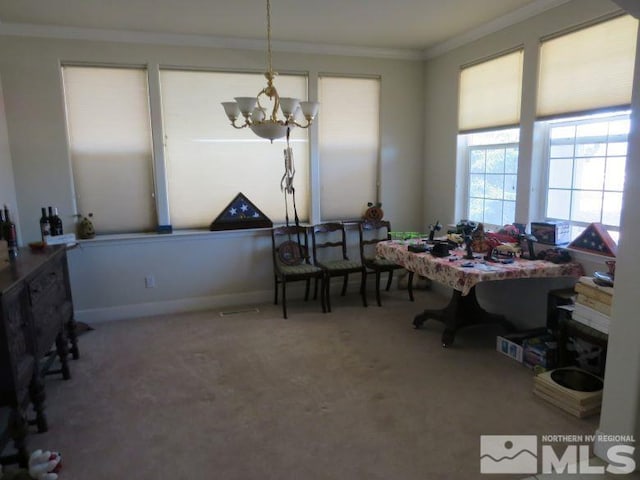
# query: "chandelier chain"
x,y
269,36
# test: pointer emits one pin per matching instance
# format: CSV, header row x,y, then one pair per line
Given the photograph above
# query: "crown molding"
x,y
121,36
493,26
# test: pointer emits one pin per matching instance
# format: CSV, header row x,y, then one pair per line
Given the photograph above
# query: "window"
x,y
490,95
492,176
209,162
110,145
586,171
582,74
348,156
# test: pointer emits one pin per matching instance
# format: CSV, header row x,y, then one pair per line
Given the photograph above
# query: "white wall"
x,y
621,401
7,185
197,270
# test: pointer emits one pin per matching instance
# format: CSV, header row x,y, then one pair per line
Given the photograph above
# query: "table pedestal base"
x,y
462,311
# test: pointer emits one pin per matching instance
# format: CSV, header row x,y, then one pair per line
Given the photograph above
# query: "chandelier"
x,y
257,117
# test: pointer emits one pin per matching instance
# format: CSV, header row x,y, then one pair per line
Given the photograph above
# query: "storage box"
x,y
67,238
511,343
540,351
551,233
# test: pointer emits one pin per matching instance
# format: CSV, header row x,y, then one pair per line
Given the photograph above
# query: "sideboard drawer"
x,y
52,275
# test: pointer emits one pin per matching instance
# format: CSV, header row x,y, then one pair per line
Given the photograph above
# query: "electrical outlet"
x,y
150,281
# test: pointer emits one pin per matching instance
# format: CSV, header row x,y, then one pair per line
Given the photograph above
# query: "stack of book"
x,y
593,304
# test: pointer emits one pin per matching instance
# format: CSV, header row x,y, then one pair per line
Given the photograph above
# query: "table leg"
x,y
462,311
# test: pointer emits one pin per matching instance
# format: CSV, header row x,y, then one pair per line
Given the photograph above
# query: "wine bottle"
x,y
51,232
56,223
1,225
45,226
9,234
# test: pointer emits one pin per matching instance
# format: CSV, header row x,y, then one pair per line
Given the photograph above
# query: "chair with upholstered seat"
x,y
291,262
371,232
330,253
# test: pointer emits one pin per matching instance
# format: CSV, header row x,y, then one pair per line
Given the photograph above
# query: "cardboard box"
x,y
540,351
551,233
511,343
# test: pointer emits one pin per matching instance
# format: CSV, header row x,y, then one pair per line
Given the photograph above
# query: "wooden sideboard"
x,y
36,314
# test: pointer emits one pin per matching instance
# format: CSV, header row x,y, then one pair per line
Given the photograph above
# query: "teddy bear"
x,y
43,465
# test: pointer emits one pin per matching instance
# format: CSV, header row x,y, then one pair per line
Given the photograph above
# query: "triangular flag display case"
x,y
240,213
595,239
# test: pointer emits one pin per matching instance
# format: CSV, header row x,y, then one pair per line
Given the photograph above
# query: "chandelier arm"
x,y
233,124
293,122
271,92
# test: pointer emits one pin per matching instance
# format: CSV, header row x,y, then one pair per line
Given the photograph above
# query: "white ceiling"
x,y
412,25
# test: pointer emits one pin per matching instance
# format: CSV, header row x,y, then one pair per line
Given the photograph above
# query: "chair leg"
x,y
306,289
284,298
363,287
378,288
344,284
324,294
327,291
410,285
389,280
275,300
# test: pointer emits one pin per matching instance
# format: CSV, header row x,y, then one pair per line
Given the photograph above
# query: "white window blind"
x,y
110,145
209,162
349,126
490,93
589,69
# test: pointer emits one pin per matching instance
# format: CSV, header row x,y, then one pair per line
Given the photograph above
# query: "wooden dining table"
x,y
463,275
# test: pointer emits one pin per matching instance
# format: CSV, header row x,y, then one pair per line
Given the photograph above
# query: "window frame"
x,y
318,145
466,150
250,137
545,128
143,70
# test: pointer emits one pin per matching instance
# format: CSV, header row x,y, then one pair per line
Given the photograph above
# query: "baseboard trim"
x,y
182,305
194,304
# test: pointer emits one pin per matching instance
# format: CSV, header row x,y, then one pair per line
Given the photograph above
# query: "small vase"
x,y
86,229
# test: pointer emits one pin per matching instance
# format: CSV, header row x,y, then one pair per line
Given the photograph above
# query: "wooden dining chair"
x,y
372,232
330,253
292,262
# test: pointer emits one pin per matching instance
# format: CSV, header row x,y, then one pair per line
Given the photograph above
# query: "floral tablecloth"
x,y
453,274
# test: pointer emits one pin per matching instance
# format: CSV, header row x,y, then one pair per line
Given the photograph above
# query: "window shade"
x,y
490,93
110,145
349,150
588,70
209,162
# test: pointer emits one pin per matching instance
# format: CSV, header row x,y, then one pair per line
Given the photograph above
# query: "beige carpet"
x,y
355,394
